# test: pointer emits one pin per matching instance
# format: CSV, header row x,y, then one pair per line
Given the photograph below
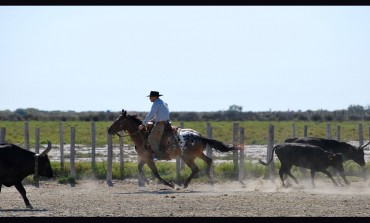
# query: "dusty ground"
x,y
258,198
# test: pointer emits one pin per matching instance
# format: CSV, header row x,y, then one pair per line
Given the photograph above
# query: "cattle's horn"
x,y
47,149
363,146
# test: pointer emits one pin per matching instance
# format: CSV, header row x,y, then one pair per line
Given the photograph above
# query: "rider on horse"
x,y
160,114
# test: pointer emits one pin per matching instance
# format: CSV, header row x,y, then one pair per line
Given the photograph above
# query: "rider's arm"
x,y
151,114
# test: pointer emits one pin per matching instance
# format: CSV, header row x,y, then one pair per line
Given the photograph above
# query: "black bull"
x,y
348,151
306,156
17,163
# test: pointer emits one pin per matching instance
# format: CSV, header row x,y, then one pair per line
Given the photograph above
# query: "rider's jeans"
x,y
154,138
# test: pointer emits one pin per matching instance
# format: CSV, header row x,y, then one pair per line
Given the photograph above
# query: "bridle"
x,y
125,130
129,134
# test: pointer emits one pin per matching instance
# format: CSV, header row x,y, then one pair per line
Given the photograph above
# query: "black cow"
x,y
17,163
308,156
348,151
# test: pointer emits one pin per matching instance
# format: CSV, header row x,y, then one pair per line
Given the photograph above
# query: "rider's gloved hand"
x,y
141,127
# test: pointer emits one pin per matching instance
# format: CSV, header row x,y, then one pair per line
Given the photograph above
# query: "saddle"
x,y
168,140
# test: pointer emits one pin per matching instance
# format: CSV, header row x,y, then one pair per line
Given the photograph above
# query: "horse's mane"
x,y
136,118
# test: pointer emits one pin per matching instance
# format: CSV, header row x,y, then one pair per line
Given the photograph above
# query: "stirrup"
x,y
155,157
160,157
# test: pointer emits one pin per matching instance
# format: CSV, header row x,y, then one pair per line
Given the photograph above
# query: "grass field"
x,y
255,132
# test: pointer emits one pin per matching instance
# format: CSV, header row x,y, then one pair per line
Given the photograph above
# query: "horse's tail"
x,y
217,145
272,156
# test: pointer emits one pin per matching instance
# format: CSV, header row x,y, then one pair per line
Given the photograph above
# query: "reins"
x,y
129,134
143,141
132,134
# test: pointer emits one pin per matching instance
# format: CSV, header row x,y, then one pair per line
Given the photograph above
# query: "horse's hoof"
x,y
172,185
29,206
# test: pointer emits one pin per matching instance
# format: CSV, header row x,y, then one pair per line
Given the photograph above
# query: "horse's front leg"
x,y
154,169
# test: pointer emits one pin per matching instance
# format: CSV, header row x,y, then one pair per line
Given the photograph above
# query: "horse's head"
x,y
119,124
125,122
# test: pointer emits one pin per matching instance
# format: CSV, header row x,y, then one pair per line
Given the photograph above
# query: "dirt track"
x,y
258,198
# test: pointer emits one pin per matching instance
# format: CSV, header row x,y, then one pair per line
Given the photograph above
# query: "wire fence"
x,y
125,153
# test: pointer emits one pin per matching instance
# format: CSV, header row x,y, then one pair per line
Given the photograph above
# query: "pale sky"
x,y
201,58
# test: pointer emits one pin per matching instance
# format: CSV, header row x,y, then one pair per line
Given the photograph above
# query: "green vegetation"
x,y
255,131
234,113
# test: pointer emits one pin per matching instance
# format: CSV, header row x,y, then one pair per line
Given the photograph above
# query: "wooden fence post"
x,y
61,138
109,159
338,133
26,136
37,140
121,158
209,152
93,146
2,134
328,131
182,163
305,131
235,152
241,163
270,147
360,135
178,169
293,130
36,174
36,177
72,156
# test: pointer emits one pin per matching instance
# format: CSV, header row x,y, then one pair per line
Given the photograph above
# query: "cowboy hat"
x,y
154,94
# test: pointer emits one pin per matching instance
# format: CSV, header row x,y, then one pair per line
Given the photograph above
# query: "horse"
x,y
186,143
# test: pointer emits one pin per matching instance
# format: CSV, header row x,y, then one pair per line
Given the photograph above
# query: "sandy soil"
x,y
257,198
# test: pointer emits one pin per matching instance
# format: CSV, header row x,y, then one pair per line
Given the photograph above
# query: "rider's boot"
x,y
159,154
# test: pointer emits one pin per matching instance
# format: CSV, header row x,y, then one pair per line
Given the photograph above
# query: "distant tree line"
x,y
234,113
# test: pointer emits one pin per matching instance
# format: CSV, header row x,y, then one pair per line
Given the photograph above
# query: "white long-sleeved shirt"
x,y
159,112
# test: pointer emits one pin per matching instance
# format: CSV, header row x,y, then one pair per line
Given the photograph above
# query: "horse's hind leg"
x,y
141,174
209,165
154,169
194,170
